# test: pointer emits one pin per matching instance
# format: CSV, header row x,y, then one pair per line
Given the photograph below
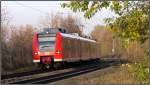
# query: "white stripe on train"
x,y
55,60
36,60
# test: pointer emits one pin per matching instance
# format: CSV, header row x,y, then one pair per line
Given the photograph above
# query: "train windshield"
x,y
46,42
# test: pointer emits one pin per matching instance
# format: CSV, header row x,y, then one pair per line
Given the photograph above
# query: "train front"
x,y
44,48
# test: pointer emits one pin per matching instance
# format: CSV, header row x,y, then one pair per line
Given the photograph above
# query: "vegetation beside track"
x,y
140,70
110,75
130,25
129,73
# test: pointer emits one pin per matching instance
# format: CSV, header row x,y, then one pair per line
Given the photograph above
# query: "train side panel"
x,y
77,49
35,51
58,48
69,49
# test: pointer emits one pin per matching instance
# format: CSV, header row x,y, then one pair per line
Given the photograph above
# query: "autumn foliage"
x,y
17,49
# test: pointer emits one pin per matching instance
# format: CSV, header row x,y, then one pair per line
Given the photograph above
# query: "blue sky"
x,y
31,12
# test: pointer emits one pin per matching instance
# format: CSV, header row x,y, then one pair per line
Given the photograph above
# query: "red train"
x,y
53,47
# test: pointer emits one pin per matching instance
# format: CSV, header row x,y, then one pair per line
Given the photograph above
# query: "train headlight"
x,y
35,53
57,52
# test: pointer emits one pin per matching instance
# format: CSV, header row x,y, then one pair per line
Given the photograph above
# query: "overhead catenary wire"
x,y
35,9
40,11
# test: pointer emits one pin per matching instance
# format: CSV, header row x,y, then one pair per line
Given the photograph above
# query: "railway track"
x,y
56,77
49,77
29,75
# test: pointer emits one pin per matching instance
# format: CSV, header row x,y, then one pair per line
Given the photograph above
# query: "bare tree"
x,y
20,47
5,23
16,44
4,35
70,23
100,33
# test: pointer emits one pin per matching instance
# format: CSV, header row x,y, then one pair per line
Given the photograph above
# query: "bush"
x,y
140,70
17,51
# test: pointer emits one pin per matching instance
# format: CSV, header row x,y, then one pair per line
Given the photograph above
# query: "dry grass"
x,y
112,75
119,76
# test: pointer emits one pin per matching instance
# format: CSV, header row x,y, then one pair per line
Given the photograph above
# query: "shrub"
x,y
140,71
17,51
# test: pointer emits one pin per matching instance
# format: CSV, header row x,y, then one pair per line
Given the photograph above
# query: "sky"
x,y
31,12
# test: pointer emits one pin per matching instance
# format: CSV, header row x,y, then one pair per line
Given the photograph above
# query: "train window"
x,y
46,43
46,39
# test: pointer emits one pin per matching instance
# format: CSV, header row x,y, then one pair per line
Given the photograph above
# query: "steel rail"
x,y
59,76
63,73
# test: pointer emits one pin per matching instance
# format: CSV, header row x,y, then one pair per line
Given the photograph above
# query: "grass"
x,y
131,73
118,76
112,75
140,71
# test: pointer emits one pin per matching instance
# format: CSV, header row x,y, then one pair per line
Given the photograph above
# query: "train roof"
x,y
51,31
76,37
